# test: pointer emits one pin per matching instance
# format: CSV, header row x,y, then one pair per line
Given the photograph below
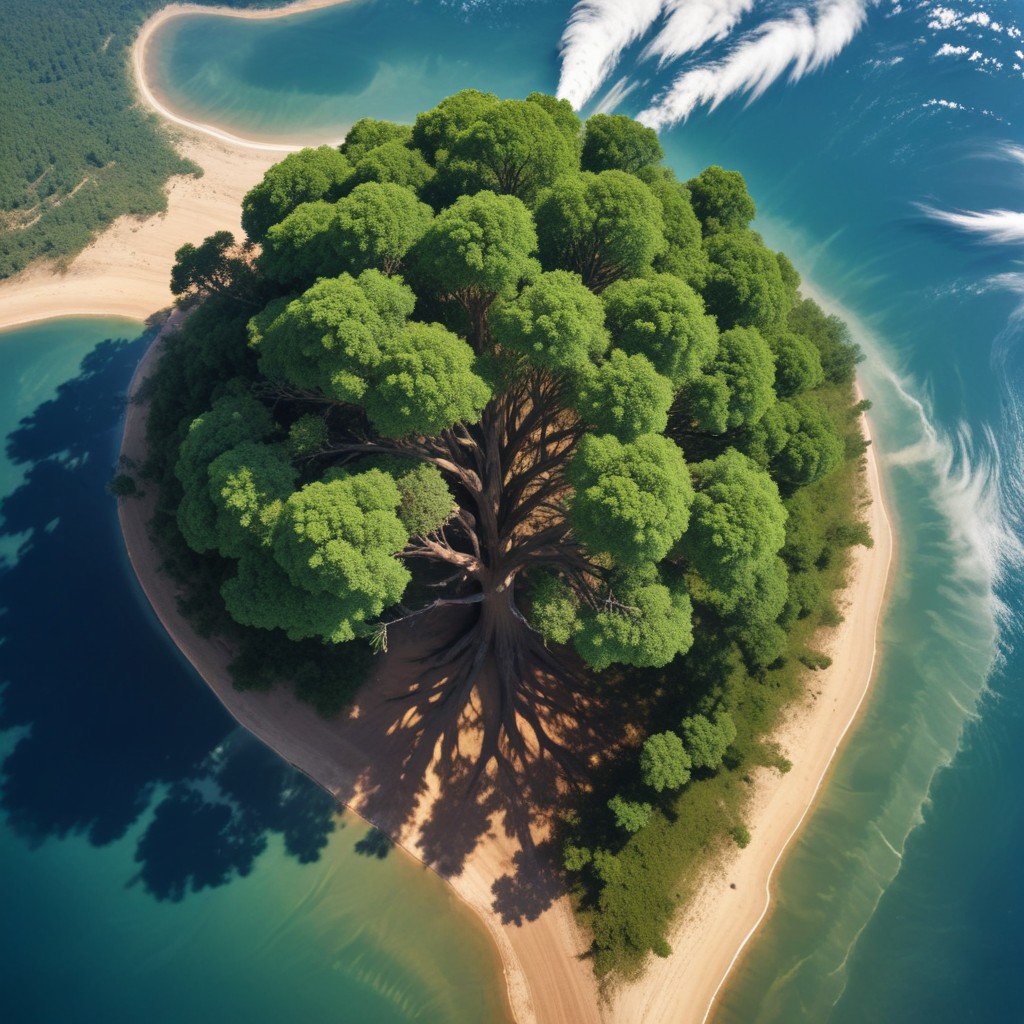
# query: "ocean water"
x,y
884,145
157,863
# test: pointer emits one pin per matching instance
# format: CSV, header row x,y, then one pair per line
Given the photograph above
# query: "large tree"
x,y
483,395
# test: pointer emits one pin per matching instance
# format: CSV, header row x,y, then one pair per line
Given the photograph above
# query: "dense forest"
x,y
503,365
76,150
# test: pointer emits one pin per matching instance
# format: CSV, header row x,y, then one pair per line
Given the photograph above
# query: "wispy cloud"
x,y
592,43
691,24
802,41
999,227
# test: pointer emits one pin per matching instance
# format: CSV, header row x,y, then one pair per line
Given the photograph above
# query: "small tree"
x,y
664,762
629,815
706,740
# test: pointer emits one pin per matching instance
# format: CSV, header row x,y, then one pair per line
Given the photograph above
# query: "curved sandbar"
x,y
125,272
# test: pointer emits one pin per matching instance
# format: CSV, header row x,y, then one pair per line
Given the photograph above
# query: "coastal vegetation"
x,y
503,373
76,151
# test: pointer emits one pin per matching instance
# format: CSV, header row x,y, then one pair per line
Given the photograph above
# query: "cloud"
x,y
999,227
594,38
690,24
801,42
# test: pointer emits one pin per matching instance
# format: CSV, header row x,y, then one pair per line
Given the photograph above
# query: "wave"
x,y
804,40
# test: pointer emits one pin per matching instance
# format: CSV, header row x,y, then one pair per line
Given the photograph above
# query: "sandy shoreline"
x,y
125,272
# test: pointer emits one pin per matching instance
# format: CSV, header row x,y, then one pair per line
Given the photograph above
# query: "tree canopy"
x,y
478,354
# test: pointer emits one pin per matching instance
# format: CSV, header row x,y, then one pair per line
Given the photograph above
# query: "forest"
x,y
502,368
76,150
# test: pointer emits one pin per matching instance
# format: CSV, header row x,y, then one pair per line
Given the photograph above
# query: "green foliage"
x,y
481,243
513,147
707,740
77,149
394,163
630,815
602,226
333,338
615,142
644,623
378,223
123,486
425,383
624,396
217,266
307,435
436,130
247,486
631,500
566,119
234,419
737,387
721,200
664,762
304,246
301,177
839,356
555,322
663,319
797,365
369,133
425,500
554,609
737,523
745,286
740,836
684,253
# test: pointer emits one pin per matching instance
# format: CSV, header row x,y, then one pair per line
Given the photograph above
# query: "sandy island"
x,y
487,858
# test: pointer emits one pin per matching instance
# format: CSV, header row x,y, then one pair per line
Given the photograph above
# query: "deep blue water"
x,y
156,862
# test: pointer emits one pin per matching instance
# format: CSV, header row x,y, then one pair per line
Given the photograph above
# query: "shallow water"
x,y
901,900
156,862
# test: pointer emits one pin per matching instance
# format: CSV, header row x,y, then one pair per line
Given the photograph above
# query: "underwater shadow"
x,y
115,731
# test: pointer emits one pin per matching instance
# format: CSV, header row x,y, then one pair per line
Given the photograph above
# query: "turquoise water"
x,y
902,900
156,862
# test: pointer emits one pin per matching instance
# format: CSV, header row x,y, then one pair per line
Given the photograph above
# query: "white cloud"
x,y
948,50
690,24
592,43
1000,227
802,41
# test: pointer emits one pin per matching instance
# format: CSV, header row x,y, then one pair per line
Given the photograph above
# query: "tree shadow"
x,y
116,729
376,843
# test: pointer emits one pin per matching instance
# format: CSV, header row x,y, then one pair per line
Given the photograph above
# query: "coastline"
x,y
125,272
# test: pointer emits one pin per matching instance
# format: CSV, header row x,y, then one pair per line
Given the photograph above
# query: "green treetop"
x,y
737,387
603,226
663,319
556,322
369,133
737,522
745,286
301,177
624,396
614,142
631,500
707,741
664,762
513,148
721,200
